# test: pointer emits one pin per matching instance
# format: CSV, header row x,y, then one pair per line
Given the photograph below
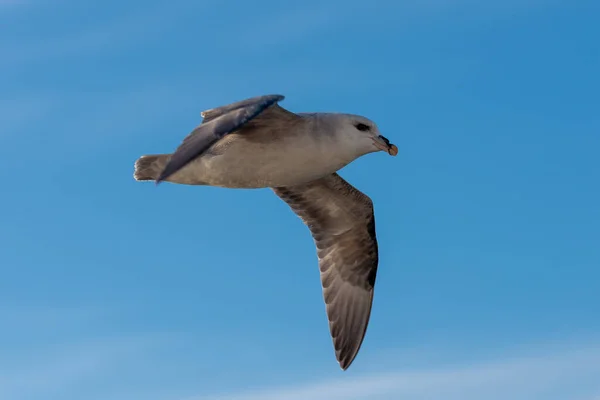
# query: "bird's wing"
x,y
219,122
342,224
209,115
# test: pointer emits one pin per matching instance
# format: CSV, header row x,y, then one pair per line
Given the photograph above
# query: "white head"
x,y
358,134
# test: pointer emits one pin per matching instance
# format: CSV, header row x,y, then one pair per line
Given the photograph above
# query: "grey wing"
x,y
209,115
217,123
342,223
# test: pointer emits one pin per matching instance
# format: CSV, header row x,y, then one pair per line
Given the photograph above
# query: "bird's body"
x,y
260,155
257,144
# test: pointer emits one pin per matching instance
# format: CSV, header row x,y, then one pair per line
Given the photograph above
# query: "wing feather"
x,y
217,123
342,223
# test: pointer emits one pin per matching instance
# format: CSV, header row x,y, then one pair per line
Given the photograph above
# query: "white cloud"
x,y
516,378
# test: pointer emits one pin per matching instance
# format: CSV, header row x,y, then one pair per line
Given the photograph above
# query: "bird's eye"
x,y
362,127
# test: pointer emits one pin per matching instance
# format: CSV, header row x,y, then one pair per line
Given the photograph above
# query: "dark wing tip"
x,y
272,97
349,314
344,364
346,356
266,100
166,172
277,97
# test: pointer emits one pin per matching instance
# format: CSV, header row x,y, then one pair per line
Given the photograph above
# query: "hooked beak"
x,y
382,143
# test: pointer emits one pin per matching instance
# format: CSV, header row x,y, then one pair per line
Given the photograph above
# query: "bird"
x,y
256,143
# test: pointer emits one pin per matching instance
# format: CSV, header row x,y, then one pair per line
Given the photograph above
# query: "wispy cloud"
x,y
67,364
516,378
119,32
18,112
4,3
107,34
282,27
48,352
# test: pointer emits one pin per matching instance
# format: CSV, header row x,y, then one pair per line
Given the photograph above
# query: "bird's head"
x,y
364,134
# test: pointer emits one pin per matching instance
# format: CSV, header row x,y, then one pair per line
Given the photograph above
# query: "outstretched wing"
x,y
342,223
217,123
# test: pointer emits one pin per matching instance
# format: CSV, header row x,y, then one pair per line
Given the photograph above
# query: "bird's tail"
x,y
149,167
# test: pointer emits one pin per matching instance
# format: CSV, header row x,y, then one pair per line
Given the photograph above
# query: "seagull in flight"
x,y
256,143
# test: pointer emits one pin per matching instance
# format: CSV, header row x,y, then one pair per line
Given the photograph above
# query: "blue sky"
x,y
488,219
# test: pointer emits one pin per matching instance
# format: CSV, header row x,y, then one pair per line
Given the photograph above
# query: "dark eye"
x,y
362,127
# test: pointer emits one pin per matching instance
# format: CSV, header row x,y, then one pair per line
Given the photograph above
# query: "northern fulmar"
x,y
255,143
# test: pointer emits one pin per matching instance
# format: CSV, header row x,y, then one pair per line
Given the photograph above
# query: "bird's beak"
x,y
382,143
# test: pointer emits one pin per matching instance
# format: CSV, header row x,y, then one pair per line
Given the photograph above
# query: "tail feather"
x,y
149,167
